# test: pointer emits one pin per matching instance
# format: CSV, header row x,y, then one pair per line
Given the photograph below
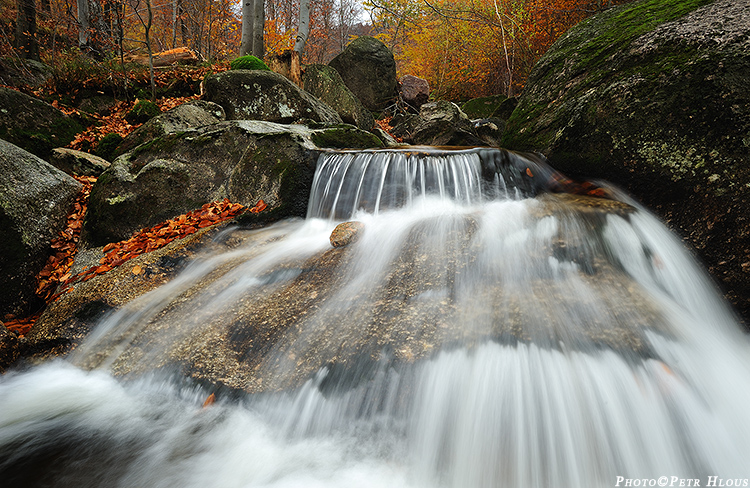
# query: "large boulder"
x,y
189,115
325,83
34,125
265,95
369,70
655,96
35,199
242,160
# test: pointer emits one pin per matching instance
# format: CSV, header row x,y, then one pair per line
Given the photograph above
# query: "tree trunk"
x,y
26,41
150,51
83,23
259,20
248,11
304,27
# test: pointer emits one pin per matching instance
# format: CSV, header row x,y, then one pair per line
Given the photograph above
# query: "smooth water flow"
x,y
480,332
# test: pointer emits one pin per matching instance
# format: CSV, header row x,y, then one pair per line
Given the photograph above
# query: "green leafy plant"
x,y
142,111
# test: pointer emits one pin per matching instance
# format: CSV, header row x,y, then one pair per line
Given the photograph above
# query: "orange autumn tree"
x,y
470,48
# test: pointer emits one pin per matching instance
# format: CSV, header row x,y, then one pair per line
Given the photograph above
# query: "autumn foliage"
x,y
471,48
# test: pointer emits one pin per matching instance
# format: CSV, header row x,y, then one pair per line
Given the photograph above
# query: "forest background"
x,y
463,48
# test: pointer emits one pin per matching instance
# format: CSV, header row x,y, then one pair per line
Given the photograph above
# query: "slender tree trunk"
x,y
150,51
183,25
259,20
26,30
83,23
304,27
174,24
248,12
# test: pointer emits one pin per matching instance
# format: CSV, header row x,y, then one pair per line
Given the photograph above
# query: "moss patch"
x,y
483,107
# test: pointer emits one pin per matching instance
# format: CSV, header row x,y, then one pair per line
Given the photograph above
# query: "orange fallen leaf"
x,y
137,270
210,400
528,172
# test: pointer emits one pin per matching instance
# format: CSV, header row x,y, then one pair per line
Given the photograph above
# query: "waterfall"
x,y
482,331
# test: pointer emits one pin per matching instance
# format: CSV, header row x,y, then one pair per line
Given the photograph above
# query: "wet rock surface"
x,y
305,315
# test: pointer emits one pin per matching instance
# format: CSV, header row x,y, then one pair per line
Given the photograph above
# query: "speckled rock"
x,y
265,95
346,233
35,198
655,96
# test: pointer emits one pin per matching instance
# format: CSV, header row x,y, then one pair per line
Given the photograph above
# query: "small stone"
x,y
346,233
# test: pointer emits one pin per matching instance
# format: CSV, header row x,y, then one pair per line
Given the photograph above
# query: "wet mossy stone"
x,y
142,111
34,125
654,95
249,62
368,68
325,83
35,198
265,95
483,107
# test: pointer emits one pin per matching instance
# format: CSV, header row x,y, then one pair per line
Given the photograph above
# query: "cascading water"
x,y
481,332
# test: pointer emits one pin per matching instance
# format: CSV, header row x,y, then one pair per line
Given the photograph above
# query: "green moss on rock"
x,y
249,62
483,107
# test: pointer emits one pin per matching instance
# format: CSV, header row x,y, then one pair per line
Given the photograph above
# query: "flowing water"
x,y
480,333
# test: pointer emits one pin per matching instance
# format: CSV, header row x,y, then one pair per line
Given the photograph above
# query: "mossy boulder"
x,y
265,95
325,83
482,107
245,161
655,96
368,68
34,125
35,199
189,115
